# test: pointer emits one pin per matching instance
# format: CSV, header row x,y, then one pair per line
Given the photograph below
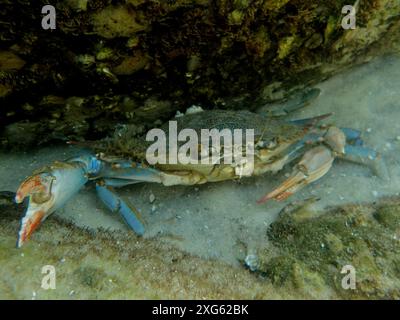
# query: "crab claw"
x,y
47,190
314,164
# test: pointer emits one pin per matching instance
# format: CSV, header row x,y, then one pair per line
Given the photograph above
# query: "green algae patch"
x,y
388,216
285,46
303,259
104,51
315,246
104,265
115,22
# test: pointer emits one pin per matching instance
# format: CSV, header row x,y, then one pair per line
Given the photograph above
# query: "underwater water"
x,y
213,240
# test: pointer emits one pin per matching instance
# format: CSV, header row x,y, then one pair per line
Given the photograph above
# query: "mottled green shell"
x,y
266,129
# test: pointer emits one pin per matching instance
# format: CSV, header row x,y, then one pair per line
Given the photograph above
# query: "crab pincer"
x,y
47,190
317,161
314,164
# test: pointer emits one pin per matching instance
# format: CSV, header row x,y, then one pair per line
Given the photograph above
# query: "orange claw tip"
x,y
19,197
28,226
264,199
280,197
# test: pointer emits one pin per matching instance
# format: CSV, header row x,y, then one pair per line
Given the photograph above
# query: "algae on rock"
x,y
311,248
225,54
302,260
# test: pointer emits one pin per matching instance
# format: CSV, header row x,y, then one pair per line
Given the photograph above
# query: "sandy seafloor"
x,y
222,220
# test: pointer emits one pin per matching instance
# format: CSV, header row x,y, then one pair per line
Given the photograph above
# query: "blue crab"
x,y
277,143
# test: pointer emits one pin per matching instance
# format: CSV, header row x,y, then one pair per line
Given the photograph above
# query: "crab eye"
x,y
270,144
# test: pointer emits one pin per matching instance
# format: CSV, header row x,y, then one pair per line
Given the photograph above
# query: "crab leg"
x,y
297,101
294,151
368,157
116,204
332,136
127,172
309,122
314,164
351,134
